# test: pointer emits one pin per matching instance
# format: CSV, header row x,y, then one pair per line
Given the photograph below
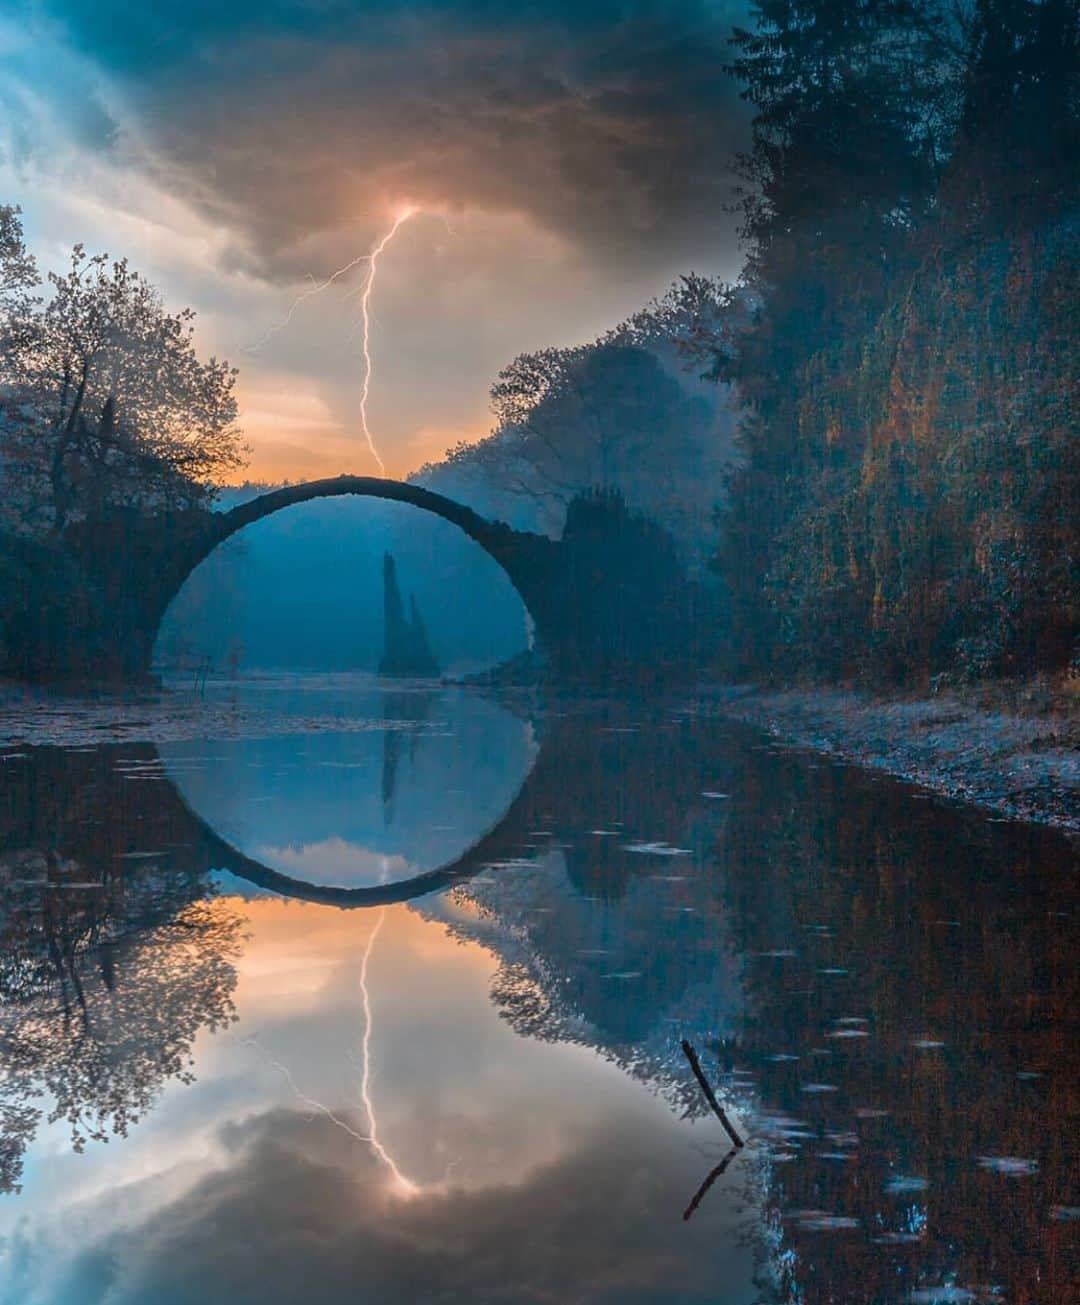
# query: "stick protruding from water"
x,y
710,1095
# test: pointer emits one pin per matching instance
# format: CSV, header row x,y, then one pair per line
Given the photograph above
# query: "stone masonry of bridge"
x,y
136,564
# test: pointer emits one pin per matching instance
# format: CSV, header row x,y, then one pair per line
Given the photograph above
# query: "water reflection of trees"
x,y
818,905
113,956
932,926
629,910
602,942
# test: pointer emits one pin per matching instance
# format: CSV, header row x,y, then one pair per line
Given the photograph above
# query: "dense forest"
x,y
908,505
864,451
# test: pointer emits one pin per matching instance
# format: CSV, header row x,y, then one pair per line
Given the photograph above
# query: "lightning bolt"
x,y
365,318
367,286
316,288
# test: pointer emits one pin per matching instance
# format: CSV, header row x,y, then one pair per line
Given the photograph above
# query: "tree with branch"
x,y
118,409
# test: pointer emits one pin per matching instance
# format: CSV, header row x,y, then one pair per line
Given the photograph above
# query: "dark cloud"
x,y
301,1210
609,123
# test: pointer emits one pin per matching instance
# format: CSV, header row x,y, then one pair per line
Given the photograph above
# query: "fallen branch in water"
x,y
714,1174
710,1096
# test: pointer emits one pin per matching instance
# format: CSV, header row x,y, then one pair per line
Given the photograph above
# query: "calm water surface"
x,y
226,1076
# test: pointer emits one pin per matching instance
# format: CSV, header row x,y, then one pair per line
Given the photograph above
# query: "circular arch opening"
x,y
303,588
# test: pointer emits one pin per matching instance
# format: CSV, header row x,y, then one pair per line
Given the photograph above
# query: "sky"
x,y
560,162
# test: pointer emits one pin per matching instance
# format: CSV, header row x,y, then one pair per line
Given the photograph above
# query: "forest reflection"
x,y
881,987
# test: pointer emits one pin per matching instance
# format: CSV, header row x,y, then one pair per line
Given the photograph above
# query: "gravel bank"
x,y
1026,767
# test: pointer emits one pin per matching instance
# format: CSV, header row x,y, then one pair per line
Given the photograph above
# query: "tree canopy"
x,y
106,400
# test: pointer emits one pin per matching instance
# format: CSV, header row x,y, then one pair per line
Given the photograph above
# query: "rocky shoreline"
x,y
1020,765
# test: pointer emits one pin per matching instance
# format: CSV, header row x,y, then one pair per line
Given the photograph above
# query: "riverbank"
x,y
1014,753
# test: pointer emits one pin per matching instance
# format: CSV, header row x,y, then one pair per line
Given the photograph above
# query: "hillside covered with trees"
x,y
908,503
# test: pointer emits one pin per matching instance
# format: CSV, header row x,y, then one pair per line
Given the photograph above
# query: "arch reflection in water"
x,y
372,812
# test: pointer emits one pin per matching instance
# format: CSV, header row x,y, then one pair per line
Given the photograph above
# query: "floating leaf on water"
x,y
903,1183
1012,1166
774,1122
843,1139
942,1295
822,1221
657,849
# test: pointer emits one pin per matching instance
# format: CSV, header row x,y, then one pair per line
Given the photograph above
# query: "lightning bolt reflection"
x,y
303,1097
406,1185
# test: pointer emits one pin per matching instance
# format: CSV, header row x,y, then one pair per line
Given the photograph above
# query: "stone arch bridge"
x,y
136,565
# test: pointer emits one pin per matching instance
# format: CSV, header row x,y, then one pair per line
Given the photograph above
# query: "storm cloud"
x,y
611,124
570,159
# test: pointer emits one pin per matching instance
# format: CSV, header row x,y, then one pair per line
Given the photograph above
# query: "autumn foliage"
x,y
908,507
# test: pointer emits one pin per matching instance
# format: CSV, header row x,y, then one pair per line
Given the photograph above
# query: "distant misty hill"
x,y
628,413
304,589
618,414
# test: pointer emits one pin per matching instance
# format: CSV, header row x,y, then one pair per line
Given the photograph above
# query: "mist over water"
x,y
855,964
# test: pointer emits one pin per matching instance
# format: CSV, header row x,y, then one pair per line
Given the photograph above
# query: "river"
x,y
377,993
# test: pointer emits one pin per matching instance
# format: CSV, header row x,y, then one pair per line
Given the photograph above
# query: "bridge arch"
x,y
525,558
486,533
